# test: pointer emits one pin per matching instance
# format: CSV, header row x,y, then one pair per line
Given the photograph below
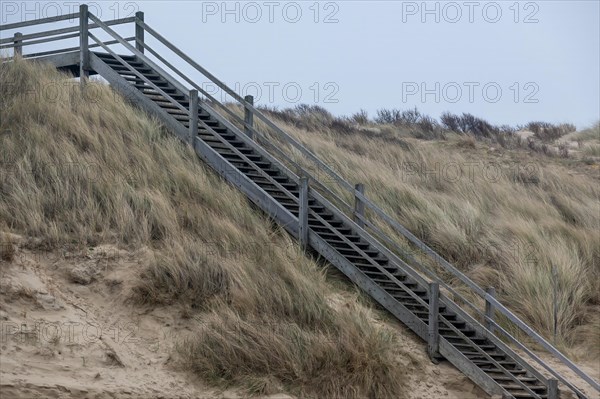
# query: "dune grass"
x,y
82,171
510,219
592,133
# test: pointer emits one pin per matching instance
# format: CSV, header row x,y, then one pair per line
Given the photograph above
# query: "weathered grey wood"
x,y
39,21
255,193
442,262
321,164
54,32
490,359
466,366
248,117
241,136
139,31
77,48
138,73
490,310
359,206
394,259
482,331
245,139
535,357
193,115
193,63
61,60
375,291
553,389
229,112
436,254
259,150
554,302
403,313
303,213
433,332
141,56
542,341
21,43
380,269
18,40
384,271
84,61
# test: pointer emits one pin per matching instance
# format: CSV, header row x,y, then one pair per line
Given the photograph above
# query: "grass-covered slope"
x,y
84,168
511,218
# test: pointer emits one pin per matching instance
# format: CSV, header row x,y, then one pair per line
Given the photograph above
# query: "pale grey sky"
x,y
506,61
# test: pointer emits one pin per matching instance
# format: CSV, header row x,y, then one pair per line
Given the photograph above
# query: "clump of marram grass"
x,y
549,132
83,172
182,272
592,150
591,133
263,356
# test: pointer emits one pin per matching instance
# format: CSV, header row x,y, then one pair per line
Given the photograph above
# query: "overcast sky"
x,y
509,62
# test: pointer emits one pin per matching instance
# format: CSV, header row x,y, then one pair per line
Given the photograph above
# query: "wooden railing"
x,y
18,41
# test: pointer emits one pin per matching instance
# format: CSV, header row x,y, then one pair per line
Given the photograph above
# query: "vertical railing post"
x,y
18,41
84,55
248,117
433,333
359,205
490,310
552,389
303,213
193,116
554,303
139,31
139,39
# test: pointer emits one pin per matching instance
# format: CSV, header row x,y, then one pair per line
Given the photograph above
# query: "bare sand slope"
x,y
63,337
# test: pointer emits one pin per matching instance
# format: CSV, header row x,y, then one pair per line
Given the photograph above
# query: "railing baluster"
x,y
139,37
84,55
433,333
552,389
490,309
139,31
193,115
18,40
359,206
248,117
303,213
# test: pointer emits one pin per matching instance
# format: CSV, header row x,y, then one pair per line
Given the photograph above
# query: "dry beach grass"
x,y
88,169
